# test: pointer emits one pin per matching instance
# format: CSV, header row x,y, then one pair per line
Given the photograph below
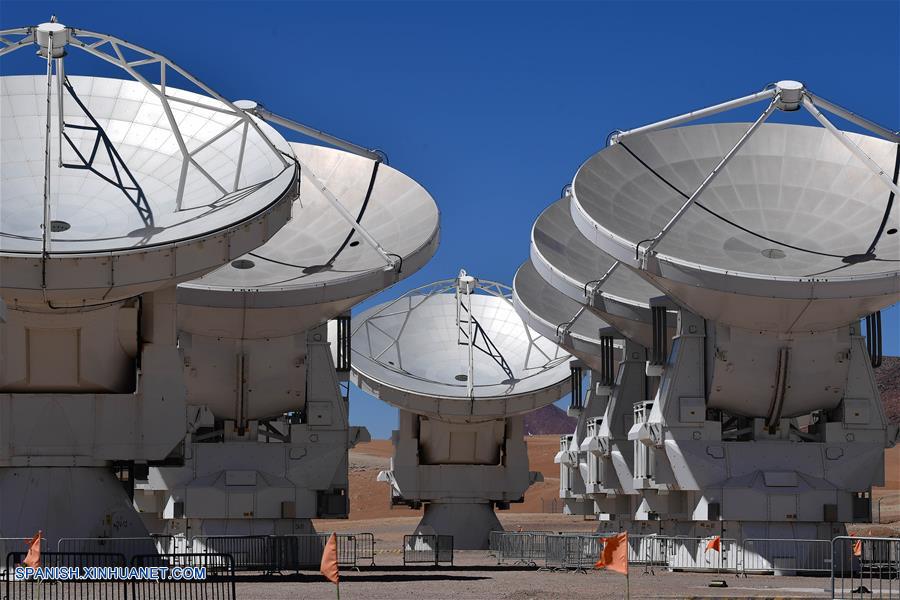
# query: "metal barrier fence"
x,y
690,554
249,552
647,551
218,585
857,565
39,589
578,552
364,545
521,547
427,549
274,553
128,546
304,551
785,556
865,567
494,538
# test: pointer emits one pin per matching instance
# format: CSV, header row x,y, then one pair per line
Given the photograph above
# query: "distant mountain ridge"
x,y
549,420
887,376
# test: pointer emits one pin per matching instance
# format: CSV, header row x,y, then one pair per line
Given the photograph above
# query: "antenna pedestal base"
x,y
65,502
459,471
470,524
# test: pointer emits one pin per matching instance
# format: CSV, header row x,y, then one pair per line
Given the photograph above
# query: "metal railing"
x,y
249,552
218,585
494,538
275,553
364,546
647,551
127,546
520,547
690,554
785,556
576,552
865,567
95,589
856,564
304,551
427,549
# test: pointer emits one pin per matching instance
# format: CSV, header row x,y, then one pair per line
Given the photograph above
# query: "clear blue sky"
x,y
493,106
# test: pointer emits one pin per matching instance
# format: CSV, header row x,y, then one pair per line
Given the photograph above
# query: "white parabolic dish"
x,y
569,262
317,262
771,244
126,214
409,353
316,267
575,328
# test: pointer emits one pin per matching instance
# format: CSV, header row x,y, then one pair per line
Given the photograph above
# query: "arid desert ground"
x,y
475,574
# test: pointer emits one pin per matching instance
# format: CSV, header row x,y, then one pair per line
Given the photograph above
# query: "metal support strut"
x,y
607,361
787,96
254,108
659,350
654,242
874,344
469,331
576,375
45,226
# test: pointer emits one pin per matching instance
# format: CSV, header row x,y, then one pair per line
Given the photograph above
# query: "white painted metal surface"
x,y
318,258
462,366
260,306
771,244
112,192
407,352
585,274
116,187
770,241
557,317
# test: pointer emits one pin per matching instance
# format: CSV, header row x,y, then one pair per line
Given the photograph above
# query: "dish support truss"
x,y
393,261
53,38
786,96
469,331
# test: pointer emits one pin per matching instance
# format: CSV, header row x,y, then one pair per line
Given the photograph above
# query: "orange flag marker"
x,y
615,554
857,548
329,566
614,557
714,544
33,558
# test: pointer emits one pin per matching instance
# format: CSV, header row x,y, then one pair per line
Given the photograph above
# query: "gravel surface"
x,y
475,575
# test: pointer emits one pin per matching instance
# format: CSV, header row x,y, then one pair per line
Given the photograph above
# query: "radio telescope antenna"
x,y
463,367
718,220
114,191
784,95
193,168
